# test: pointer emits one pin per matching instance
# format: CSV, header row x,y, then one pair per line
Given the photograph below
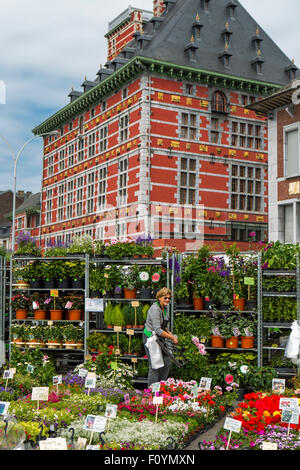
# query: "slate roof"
x,y
32,202
174,30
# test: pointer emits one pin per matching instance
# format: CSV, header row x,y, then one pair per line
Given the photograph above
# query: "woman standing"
x,y
157,322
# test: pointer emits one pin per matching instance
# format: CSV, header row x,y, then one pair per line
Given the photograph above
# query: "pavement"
x,y
210,435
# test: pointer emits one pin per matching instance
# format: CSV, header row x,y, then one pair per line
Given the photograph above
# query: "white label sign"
x,y
158,400
57,443
8,374
288,403
278,385
4,407
290,415
57,380
205,383
82,373
232,425
90,382
155,387
40,394
111,411
94,305
95,423
269,446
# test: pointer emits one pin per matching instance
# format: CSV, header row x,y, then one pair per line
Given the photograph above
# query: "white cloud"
x,y
49,47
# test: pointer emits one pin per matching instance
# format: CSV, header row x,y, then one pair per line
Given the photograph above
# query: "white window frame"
x,y
286,129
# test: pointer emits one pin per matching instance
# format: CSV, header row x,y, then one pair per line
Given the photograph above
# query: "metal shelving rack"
x,y
3,297
127,262
262,294
84,291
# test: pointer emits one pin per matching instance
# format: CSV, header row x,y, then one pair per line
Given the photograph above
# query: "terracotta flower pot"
x,y
247,342
217,342
21,314
198,303
56,315
232,343
130,294
70,344
239,304
40,315
74,315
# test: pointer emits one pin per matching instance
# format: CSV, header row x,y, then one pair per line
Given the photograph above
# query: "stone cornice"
x,y
140,64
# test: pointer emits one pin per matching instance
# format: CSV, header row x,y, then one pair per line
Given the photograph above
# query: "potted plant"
x,y
238,268
75,308
129,282
20,305
217,339
181,293
57,308
82,245
119,249
54,337
35,336
39,308
143,247
72,336
32,273
247,327
77,274
27,245
117,316
129,316
108,318
17,335
97,281
230,331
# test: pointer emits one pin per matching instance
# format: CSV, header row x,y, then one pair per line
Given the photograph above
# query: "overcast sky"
x,y
49,47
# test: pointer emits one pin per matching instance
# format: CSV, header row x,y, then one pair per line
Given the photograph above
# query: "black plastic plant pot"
x,y
78,283
50,283
37,284
145,293
64,283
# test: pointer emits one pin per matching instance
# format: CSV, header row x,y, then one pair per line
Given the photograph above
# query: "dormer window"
x,y
231,9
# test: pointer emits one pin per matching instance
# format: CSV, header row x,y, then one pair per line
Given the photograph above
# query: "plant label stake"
x,y
94,424
157,401
118,330
39,394
232,425
110,413
130,333
135,304
54,294
134,361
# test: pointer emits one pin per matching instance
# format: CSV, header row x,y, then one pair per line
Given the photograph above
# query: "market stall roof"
x,y
280,98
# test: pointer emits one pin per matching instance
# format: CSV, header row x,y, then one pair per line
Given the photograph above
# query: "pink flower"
x,y
228,379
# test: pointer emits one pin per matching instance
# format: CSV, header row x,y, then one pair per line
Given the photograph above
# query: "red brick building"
x,y
283,111
28,216
162,143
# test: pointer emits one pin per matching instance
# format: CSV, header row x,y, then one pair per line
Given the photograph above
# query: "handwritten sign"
x,y
232,425
54,293
58,443
94,305
40,394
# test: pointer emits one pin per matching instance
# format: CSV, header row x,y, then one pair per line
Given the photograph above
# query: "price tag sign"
x,y
94,305
130,332
288,403
114,365
195,392
54,293
40,394
278,386
90,382
95,423
249,281
111,411
205,383
232,425
269,446
290,415
82,373
8,374
69,305
30,369
135,304
158,401
58,443
57,380
35,305
4,407
50,323
117,329
155,387
92,447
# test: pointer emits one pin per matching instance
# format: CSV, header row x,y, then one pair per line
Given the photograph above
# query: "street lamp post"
x,y
15,158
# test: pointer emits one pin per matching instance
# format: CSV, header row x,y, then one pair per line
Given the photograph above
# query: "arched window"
x,y
219,102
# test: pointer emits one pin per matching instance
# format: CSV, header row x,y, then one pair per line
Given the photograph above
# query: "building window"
x,y
80,150
79,196
60,202
219,102
124,93
103,138
246,188
70,197
121,231
246,135
90,192
50,165
188,129
49,195
188,178
189,89
124,128
123,179
291,141
102,188
92,144
61,164
71,155
214,133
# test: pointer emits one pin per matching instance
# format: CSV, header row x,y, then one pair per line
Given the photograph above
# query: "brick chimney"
x,y
158,7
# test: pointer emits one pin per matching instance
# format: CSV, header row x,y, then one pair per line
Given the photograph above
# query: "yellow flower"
x,y
266,414
276,413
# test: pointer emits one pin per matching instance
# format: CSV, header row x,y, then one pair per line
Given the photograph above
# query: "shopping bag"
x,y
155,352
292,350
